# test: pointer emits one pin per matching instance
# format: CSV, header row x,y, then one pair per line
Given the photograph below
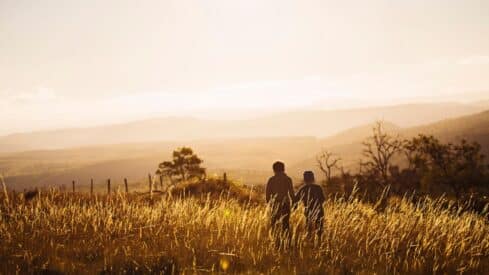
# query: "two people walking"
x,y
281,197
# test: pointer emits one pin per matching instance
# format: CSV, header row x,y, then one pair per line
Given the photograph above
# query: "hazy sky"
x,y
76,63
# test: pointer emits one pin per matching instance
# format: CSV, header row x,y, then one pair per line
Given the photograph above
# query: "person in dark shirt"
x,y
280,196
312,196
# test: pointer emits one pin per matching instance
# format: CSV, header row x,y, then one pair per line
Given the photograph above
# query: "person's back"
x,y
279,190
280,195
312,197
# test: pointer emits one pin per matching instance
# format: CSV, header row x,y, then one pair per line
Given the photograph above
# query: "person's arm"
x,y
268,192
322,199
292,196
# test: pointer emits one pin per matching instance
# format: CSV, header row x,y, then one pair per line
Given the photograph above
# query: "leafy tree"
x,y
461,166
427,152
184,166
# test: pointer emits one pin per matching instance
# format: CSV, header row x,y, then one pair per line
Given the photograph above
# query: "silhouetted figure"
x,y
29,195
280,195
312,197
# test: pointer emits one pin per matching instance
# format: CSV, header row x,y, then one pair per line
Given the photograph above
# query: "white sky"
x,y
77,63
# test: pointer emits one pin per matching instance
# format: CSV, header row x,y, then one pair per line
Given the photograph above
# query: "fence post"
x,y
150,185
108,186
225,177
91,187
125,184
73,184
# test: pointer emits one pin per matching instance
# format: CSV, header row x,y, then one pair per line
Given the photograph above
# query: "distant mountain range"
x,y
300,123
483,103
348,144
248,159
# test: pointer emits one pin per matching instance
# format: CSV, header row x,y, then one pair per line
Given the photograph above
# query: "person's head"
x,y
278,167
308,177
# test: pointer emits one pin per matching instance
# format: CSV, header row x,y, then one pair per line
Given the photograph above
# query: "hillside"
x,y
348,144
483,104
473,128
245,159
318,123
130,234
354,134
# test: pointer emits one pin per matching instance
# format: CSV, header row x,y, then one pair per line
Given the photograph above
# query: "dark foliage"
x,y
184,166
422,165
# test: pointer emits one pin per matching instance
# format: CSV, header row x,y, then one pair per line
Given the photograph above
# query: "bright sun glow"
x,y
87,63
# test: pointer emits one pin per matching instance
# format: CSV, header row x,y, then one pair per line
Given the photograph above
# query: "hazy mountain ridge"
x,y
482,103
248,159
299,123
348,145
356,133
245,156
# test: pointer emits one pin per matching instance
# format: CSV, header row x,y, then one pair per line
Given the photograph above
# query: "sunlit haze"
x,y
81,63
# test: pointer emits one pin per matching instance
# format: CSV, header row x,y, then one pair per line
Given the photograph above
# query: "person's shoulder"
x,y
287,177
316,186
303,188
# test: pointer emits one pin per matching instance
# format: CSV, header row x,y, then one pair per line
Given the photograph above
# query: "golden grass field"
x,y
76,233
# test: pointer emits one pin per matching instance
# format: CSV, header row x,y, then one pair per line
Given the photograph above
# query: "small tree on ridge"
x,y
185,165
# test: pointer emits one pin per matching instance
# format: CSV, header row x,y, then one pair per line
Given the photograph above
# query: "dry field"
x,y
60,233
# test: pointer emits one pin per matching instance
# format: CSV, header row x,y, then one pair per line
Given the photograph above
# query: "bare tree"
x,y
326,161
379,150
342,170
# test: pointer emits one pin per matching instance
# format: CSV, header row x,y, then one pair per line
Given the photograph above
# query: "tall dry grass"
x,y
78,234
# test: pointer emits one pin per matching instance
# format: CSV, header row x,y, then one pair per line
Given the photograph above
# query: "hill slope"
x,y
348,144
246,159
473,127
300,123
